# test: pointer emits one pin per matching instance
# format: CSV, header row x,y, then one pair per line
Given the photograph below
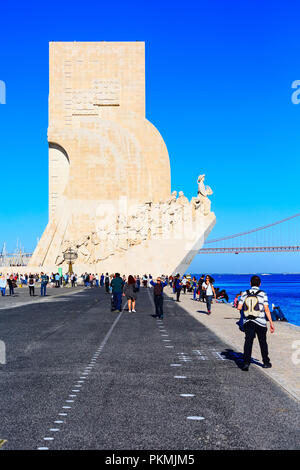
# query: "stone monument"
x,y
109,170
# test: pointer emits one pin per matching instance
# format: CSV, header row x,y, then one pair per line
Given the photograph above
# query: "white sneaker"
x,y
134,311
129,311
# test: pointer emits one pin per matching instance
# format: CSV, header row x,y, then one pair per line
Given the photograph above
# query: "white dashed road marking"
x,y
83,377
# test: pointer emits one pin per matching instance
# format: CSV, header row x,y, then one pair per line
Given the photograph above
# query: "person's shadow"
x,y
238,358
202,311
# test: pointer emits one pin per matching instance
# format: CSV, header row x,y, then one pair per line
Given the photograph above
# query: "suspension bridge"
x,y
280,236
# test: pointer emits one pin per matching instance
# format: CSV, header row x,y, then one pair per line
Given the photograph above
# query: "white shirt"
x,y
208,288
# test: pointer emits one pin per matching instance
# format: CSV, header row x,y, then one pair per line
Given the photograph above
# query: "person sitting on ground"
x,y
277,314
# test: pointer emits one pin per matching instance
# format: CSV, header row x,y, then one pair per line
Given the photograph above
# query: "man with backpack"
x,y
117,289
44,282
158,297
255,307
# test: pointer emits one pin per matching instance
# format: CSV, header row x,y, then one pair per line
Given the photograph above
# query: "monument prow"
x,y
109,170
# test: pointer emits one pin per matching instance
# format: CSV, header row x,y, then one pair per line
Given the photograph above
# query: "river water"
x,y
282,290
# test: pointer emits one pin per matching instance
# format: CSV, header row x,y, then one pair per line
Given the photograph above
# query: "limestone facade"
x,y
109,170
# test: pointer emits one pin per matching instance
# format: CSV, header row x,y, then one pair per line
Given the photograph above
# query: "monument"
x,y
110,195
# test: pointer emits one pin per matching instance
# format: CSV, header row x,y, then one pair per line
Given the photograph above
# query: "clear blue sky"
x,y
219,77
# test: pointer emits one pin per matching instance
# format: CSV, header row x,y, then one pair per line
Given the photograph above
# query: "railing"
x,y
250,249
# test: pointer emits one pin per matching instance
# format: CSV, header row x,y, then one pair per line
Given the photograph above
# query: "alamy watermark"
x,y
2,353
296,353
296,94
2,92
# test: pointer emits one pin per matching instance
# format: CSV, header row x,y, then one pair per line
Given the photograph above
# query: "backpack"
x,y
158,289
31,281
251,305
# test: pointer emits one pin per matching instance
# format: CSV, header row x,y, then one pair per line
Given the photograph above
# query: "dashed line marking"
x,y
195,418
179,376
175,365
80,382
185,395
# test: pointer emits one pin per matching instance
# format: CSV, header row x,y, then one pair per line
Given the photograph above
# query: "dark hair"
x,y
117,275
131,280
255,281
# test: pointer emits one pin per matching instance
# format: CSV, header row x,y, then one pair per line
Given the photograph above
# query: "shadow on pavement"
x,y
238,358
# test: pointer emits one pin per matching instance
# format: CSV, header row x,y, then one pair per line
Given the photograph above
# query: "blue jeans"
x,y
117,296
43,289
159,302
3,291
195,292
208,302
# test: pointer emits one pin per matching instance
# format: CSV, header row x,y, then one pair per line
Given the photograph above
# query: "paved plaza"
x,y
78,376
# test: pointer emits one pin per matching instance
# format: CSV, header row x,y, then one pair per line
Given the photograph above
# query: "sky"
x,y
219,80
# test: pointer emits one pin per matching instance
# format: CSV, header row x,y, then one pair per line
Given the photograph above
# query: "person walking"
x,y
44,282
184,282
31,283
117,290
57,280
200,290
10,282
194,287
138,283
158,297
145,280
130,290
210,292
255,308
106,282
3,283
177,287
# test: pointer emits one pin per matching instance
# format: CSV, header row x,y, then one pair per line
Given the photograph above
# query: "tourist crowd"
x,y
253,303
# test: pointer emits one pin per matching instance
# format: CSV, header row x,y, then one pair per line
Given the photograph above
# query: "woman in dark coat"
x,y
129,290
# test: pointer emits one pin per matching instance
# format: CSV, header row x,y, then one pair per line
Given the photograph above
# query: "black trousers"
x,y
159,302
251,330
178,294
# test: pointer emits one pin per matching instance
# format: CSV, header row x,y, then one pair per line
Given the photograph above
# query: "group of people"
x,y
12,281
253,303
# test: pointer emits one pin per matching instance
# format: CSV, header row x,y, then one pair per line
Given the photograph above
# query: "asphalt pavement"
x,y
78,376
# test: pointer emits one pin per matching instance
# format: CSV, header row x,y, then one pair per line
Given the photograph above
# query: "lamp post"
x,y
70,256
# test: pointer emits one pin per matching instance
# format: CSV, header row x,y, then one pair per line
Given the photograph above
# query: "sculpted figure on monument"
x,y
203,192
202,189
182,199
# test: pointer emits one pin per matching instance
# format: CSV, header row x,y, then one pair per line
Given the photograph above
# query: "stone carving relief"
x,y
168,219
